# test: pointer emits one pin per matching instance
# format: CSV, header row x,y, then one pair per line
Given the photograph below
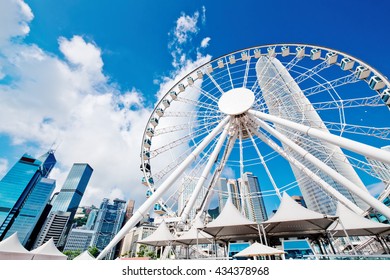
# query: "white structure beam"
x,y
144,208
363,194
351,145
205,173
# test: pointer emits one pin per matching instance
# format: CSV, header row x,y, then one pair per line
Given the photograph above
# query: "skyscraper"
x,y
253,202
108,222
65,205
24,193
186,189
72,191
280,92
226,186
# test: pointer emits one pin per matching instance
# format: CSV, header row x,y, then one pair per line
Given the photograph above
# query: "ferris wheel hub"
x,y
236,101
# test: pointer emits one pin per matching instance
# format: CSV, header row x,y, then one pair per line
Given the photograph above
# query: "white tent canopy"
x,y
84,256
292,219
48,251
355,225
195,236
231,224
161,237
12,249
257,249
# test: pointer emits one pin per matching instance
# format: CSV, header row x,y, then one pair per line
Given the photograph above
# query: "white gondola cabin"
x,y
173,95
158,209
190,81
154,121
160,112
315,54
257,53
386,96
146,155
209,68
285,50
220,63
362,72
166,103
181,87
347,63
232,59
271,51
331,57
376,83
300,51
199,73
150,132
244,55
147,143
148,181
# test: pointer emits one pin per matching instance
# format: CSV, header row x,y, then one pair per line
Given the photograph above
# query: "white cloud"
x,y
70,100
205,42
186,26
15,16
3,166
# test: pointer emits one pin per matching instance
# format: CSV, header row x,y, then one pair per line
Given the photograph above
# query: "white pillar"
x,y
144,208
325,186
205,173
357,147
364,195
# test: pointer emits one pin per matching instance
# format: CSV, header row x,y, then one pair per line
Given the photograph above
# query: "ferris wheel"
x,y
298,117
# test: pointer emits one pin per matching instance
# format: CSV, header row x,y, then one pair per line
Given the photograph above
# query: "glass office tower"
x,y
108,222
68,199
24,193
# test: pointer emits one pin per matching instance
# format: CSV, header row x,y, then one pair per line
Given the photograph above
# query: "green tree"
x,y
94,251
72,253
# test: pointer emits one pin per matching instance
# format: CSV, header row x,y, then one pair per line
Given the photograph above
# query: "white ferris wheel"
x,y
298,117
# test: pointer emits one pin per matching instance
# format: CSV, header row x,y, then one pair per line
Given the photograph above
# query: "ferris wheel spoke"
x,y
379,132
292,62
263,163
348,144
217,173
228,70
198,104
191,114
215,82
302,77
206,93
180,127
200,132
370,101
205,173
350,186
246,72
329,85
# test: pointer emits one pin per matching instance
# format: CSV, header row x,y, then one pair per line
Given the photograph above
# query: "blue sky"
x,y
101,54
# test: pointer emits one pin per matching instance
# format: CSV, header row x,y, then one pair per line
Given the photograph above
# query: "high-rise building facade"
x,y
185,192
54,227
79,239
65,204
253,202
72,191
24,193
108,222
225,187
282,93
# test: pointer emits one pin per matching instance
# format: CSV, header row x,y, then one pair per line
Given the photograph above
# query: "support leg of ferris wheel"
x,y
145,207
351,145
199,185
364,195
217,174
325,186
